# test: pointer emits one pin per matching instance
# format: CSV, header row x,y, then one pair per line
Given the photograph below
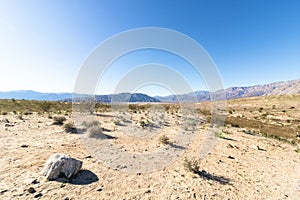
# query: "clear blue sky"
x,y
44,42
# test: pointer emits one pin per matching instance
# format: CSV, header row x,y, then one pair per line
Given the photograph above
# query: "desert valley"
x,y
256,154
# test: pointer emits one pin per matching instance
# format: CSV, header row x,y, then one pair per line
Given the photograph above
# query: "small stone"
x,y
231,157
24,146
99,189
31,190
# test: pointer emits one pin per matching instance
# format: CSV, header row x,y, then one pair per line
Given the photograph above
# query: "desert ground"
x,y
256,155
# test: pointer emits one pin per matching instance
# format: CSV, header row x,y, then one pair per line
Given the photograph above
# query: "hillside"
x,y
277,88
32,95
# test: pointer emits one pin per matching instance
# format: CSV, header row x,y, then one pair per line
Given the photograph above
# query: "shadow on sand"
x,y
84,177
220,179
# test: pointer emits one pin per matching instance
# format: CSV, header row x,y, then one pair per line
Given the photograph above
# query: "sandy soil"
x,y
240,166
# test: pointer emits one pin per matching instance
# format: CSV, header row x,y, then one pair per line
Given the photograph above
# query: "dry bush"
x,y
89,124
59,120
118,123
164,139
191,165
95,132
70,127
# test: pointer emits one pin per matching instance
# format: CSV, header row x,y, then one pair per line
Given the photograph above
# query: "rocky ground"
x,y
239,166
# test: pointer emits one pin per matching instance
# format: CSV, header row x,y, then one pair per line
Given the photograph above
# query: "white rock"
x,y
59,164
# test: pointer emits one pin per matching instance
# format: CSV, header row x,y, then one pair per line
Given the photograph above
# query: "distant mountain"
x,y
32,95
278,88
125,97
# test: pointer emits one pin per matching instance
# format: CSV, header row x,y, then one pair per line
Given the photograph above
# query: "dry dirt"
x,y
240,166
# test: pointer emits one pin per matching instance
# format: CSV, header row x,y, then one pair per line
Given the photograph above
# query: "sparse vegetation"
x,y
118,123
95,132
219,134
164,139
89,124
59,120
191,165
70,127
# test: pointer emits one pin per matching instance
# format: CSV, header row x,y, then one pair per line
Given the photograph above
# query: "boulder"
x,y
60,164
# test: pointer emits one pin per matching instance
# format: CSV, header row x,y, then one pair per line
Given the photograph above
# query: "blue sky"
x,y
43,43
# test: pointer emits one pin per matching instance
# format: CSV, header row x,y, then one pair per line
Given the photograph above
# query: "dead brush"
x,y
58,120
164,140
70,127
192,165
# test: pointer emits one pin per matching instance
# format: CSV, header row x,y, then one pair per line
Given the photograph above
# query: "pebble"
x,y
31,190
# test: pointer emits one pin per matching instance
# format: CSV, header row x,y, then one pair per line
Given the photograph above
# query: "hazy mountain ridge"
x,y
32,95
277,88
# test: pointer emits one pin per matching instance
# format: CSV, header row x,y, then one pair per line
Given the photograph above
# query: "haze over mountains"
x,y
277,88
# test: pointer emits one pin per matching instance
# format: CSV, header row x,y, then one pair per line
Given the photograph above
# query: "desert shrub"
x,y
298,150
219,134
191,165
144,123
89,124
95,132
70,128
20,116
4,113
45,106
59,120
118,123
190,124
27,113
164,139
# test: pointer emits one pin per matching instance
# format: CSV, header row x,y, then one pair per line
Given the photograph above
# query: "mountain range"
x,y
277,88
